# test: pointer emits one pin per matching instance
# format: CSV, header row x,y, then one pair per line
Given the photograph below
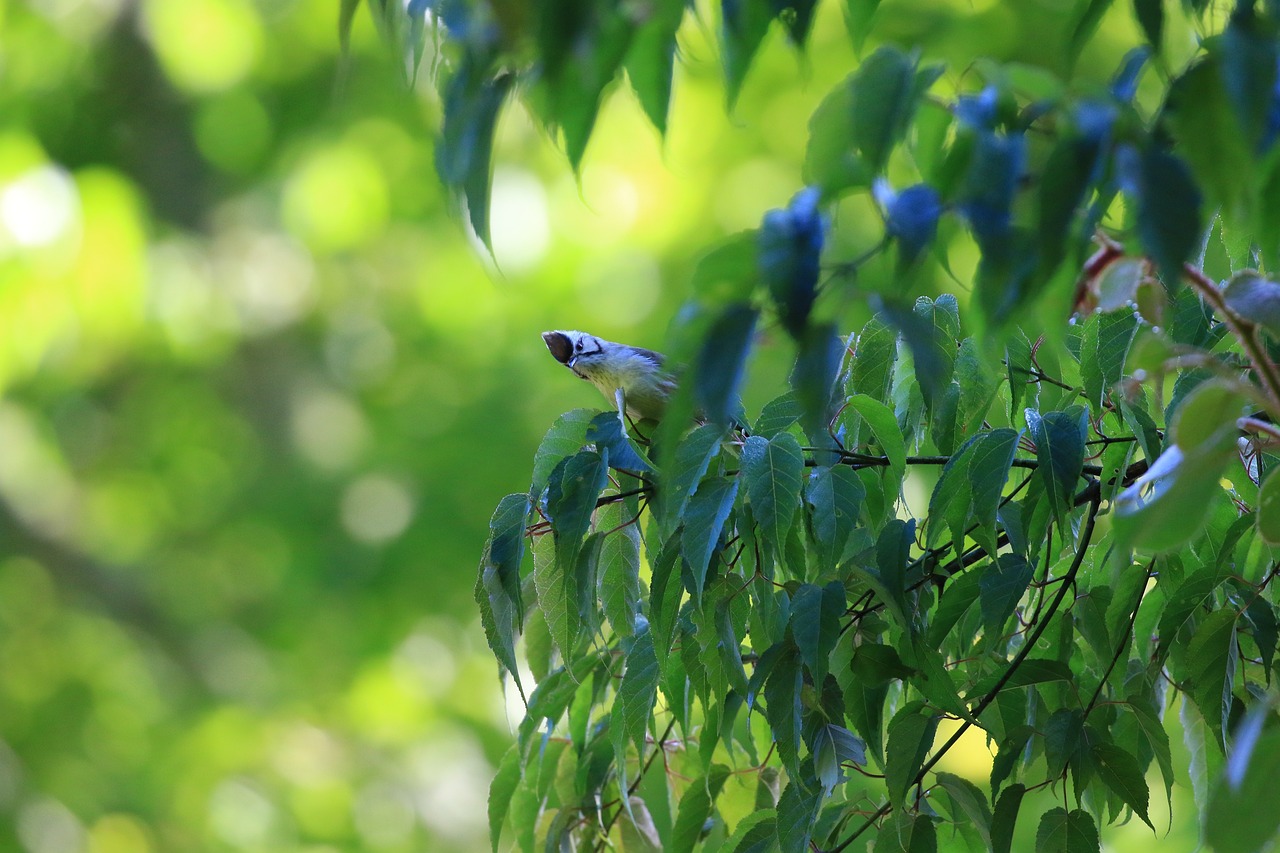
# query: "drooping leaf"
x,y
857,16
501,790
1005,818
1212,658
885,430
815,624
745,23
498,587
836,496
907,832
874,357
911,733
606,433
565,438
813,380
695,808
797,810
782,693
619,578
1255,299
1235,820
722,362
1169,217
1002,586
910,217
970,804
633,707
790,246
463,152
1103,351
773,472
1120,772
1060,447
692,458
651,60
1150,14
755,833
703,521
1063,832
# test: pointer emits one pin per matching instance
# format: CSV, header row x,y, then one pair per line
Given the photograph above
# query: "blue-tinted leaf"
x,y
813,378
619,577
1060,446
1125,84
1169,218
1235,822
782,707
986,198
911,217
790,242
815,624
463,151
778,415
930,329
1250,60
836,496
722,363
1002,586
797,810
773,471
605,432
571,498
1255,299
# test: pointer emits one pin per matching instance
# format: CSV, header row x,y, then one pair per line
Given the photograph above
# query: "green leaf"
x,y
744,27
650,61
1169,219
565,438
1086,27
1005,818
773,470
1060,446
929,329
836,496
887,87
969,489
1208,135
969,804
813,378
832,745
1255,299
797,809
906,832
1030,671
911,733
1153,736
695,808
464,149
1002,586
1150,15
633,706
1060,832
1103,352
1062,733
501,789
606,433
703,522
782,707
815,624
619,577
1268,517
755,833
884,426
1017,359
874,356
692,458
1249,59
1237,821
1120,772
1211,665
778,415
857,16
498,587
722,363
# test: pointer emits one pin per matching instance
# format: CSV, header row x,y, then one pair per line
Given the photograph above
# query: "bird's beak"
x,y
560,346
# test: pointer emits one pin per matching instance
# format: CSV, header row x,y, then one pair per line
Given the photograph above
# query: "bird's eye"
x,y
577,346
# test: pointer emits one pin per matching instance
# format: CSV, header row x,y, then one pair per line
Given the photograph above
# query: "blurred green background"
x,y
259,393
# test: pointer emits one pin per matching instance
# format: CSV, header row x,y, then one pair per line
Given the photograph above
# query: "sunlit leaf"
x,y
695,808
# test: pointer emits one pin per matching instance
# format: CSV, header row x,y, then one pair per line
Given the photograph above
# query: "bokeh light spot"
x,y
376,508
47,826
233,131
518,221
38,207
240,814
204,45
328,429
336,199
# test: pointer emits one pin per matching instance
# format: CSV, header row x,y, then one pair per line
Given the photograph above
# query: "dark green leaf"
x,y
835,495
1060,446
1212,658
782,708
463,151
907,832
565,438
1120,772
606,433
619,576
1169,219
797,809
778,415
773,470
722,363
695,808
1103,352
911,734
1060,832
755,833
874,357
887,87
745,25
1062,734
1002,586
813,378
633,706
1255,299
1005,818
885,429
1151,16
969,804
650,60
498,587
1086,27
815,624
1249,66
703,521
790,245
692,457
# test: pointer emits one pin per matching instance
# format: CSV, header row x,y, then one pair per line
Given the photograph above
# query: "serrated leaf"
x,y
755,833
875,353
797,810
503,786
692,458
884,426
1120,772
970,803
606,433
835,496
1063,832
1060,447
1005,818
1103,352
907,832
1002,586
911,733
782,707
565,438
498,586
619,576
703,521
1255,299
815,624
464,149
969,489
773,471
778,415
1211,663
633,705
695,808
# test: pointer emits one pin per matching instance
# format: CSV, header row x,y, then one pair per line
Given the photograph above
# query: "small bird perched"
x,y
632,377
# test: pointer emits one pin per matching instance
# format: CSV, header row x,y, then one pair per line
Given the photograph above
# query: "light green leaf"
x,y
969,803
565,438
619,569
755,833
1237,821
874,356
773,470
1103,351
884,426
695,808
501,789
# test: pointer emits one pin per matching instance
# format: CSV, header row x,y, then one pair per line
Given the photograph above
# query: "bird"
x,y
633,378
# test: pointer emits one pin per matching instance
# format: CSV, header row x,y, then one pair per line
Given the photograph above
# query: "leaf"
x,y
778,415
782,708
695,808
1005,818
745,23
905,832
874,355
858,15
498,587
619,578
1120,772
1002,585
1268,517
1102,355
565,438
930,331
969,489
884,426
1062,734
633,706
986,198
1060,832
755,833
1255,299
464,149
790,246
650,60
1154,736
1236,820
639,833
504,783
836,496
703,522
968,802
722,362
773,470
797,809
832,746
1060,446
911,733
571,499
1249,69
910,217
887,87
1169,218
813,379
1212,657
606,433
1086,27
692,458
1150,14
815,624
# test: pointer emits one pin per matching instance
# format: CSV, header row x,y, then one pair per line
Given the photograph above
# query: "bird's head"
x,y
569,348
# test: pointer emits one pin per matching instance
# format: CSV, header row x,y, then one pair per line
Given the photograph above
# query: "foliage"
x,y
766,613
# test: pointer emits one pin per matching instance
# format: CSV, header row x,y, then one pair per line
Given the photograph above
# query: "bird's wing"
x,y
656,357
